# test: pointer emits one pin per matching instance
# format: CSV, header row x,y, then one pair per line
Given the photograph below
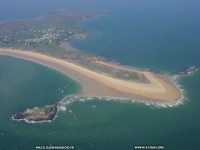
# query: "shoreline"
x,y
160,89
68,47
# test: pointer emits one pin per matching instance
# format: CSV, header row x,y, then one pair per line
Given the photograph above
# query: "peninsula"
x,y
45,40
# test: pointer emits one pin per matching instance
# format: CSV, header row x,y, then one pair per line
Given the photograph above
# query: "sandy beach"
x,y
160,89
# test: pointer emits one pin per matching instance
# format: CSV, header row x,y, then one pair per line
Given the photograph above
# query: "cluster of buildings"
x,y
40,37
47,37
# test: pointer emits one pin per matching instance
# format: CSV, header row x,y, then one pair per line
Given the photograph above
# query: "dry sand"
x,y
160,89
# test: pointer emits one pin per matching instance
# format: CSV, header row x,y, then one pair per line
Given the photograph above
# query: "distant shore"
x,y
160,88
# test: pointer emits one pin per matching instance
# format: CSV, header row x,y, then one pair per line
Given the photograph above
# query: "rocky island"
x,y
37,114
187,71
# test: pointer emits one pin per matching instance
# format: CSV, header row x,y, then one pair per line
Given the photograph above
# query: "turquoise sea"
x,y
159,35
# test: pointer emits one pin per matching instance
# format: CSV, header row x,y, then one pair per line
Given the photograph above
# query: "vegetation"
x,y
46,34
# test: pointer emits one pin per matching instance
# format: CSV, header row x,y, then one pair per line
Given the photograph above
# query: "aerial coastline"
x,y
46,40
98,75
160,88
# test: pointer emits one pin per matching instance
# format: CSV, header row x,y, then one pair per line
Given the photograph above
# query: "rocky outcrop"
x,y
187,71
37,114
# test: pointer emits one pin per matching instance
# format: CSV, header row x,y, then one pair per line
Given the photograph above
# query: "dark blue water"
x,y
157,35
11,9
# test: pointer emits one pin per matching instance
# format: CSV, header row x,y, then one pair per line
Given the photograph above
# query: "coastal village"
x,y
40,37
51,35
47,30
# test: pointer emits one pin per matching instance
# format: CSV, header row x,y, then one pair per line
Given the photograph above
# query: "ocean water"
x,y
24,84
159,35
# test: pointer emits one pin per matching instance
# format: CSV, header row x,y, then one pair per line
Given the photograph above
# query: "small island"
x,y
37,114
187,71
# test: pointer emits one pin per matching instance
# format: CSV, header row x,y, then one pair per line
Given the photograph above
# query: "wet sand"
x,y
160,89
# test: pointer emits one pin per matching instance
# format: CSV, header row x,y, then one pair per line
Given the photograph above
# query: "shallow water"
x,y
89,122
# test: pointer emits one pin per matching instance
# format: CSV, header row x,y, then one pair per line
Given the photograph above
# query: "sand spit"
x,y
160,89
